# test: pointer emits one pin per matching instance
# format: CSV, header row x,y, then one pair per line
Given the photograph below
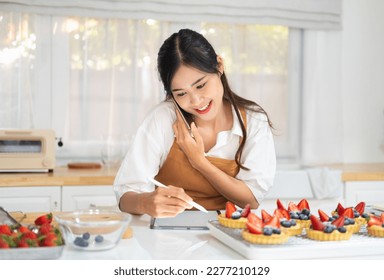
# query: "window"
x,y
87,77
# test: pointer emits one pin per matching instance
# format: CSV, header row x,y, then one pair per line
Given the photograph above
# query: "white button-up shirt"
x,y
150,147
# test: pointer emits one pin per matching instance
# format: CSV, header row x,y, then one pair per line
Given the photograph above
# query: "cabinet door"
x,y
371,192
31,199
84,197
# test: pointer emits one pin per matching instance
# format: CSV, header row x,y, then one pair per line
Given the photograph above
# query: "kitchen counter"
x,y
149,244
64,176
361,171
61,176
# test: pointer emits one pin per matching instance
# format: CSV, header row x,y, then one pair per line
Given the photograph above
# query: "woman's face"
x,y
198,93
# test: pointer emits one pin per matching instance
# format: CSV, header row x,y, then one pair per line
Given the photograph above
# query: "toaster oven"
x,y
27,150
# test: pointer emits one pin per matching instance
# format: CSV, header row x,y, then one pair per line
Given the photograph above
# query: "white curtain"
x,y
314,14
22,99
321,98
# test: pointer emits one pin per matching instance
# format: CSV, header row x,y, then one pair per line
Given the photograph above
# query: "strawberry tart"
x,y
375,225
300,212
234,217
259,232
328,231
287,225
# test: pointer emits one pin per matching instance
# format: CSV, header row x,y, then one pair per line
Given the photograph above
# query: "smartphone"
x,y
182,116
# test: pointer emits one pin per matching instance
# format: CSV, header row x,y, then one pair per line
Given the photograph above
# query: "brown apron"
x,y
177,171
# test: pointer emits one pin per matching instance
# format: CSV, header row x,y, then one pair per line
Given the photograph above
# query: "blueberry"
x,y
86,236
276,230
347,222
294,215
305,211
331,219
365,215
236,215
99,238
80,242
328,229
285,223
303,217
267,231
293,222
342,229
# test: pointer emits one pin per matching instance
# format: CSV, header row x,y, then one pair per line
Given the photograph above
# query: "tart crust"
x,y
291,231
355,228
231,223
264,239
304,223
361,221
377,231
322,236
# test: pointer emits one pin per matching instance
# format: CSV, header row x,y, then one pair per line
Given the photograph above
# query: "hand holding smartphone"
x,y
182,116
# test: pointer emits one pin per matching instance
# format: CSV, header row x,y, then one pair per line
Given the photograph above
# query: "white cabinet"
x,y
371,192
31,199
84,197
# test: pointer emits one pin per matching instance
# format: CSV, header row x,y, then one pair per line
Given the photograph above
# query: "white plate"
x,y
38,253
300,247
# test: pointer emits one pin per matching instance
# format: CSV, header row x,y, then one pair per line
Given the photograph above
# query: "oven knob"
x,y
47,162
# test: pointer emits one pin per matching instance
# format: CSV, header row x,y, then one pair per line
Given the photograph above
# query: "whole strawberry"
x,y
44,219
5,229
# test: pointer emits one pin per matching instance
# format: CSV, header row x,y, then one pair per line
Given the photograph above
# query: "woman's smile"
x,y
205,109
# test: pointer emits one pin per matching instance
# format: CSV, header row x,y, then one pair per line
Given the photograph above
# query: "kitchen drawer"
x,y
371,192
84,197
31,199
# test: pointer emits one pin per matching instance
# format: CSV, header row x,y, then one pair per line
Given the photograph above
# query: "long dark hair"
x,y
190,48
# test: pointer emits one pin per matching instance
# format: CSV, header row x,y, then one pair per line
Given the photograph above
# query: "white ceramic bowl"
x,y
93,229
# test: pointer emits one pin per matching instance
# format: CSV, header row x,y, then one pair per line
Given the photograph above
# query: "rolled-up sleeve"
x,y
146,153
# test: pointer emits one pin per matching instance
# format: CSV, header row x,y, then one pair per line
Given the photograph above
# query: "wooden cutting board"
x,y
30,217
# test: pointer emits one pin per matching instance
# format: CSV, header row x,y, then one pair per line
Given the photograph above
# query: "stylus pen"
x,y
192,203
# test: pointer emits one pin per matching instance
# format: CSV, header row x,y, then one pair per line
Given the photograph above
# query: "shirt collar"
x,y
236,128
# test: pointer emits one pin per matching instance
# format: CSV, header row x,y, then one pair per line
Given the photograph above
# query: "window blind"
x,y
306,14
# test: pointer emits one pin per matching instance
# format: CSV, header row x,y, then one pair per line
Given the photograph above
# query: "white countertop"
x,y
150,244
161,244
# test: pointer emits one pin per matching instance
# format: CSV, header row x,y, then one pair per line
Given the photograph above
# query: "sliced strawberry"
x,y
323,216
382,217
246,210
340,209
292,207
348,212
303,204
374,221
316,223
229,209
339,222
274,222
265,216
360,207
254,219
280,205
282,214
255,229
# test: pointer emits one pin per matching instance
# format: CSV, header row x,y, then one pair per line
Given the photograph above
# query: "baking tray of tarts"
x,y
359,246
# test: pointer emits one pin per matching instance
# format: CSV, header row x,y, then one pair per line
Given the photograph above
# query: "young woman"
x,y
228,155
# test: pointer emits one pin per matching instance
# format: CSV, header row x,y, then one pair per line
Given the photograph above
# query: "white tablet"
x,y
190,220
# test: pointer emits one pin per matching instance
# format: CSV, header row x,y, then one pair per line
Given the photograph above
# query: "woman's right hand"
x,y
164,202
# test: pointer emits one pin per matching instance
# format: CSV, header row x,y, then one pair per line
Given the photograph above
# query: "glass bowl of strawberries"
x,y
93,229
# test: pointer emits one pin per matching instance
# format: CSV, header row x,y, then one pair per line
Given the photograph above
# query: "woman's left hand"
x,y
192,146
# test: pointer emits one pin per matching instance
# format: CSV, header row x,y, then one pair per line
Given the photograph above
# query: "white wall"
x,y
363,81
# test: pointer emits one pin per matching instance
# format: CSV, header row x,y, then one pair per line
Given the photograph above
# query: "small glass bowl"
x,y
93,229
